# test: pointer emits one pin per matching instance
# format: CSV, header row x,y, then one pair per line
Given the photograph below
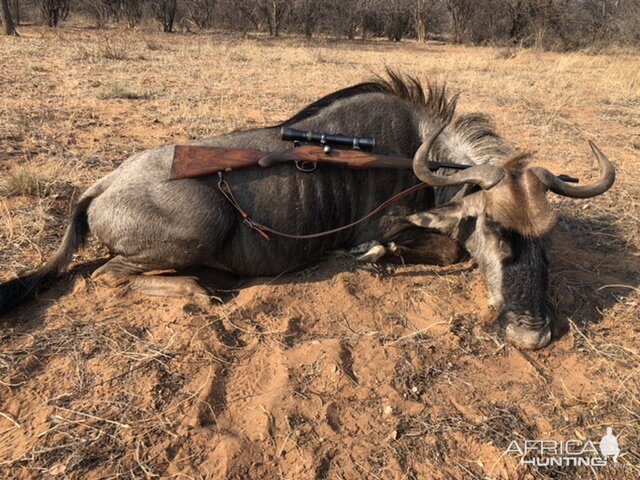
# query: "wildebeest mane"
x,y
470,137
477,139
434,100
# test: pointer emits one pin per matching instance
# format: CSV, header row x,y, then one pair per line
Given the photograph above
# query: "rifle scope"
x,y
358,143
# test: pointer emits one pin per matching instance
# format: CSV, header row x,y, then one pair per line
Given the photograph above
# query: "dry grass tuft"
x,y
114,50
121,48
28,180
119,91
153,44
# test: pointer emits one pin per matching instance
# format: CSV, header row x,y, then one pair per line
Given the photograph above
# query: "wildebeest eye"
x,y
506,252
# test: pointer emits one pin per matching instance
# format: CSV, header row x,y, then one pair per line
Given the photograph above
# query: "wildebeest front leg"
x,y
369,252
414,245
118,272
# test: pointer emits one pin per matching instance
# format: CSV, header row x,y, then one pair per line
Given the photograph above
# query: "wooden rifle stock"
x,y
200,160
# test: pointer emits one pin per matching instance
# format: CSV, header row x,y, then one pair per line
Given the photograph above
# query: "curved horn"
x,y
485,176
604,183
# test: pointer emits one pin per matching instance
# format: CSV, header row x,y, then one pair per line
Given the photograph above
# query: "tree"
x,y
54,10
200,12
396,17
275,12
7,21
420,11
101,11
165,13
16,12
371,19
309,13
131,11
461,12
346,17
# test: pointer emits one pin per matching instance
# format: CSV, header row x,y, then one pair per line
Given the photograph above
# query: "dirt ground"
x,y
340,371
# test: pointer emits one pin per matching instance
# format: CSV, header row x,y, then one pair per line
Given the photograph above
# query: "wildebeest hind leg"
x,y
118,272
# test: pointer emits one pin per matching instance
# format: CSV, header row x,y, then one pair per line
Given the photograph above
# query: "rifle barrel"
x,y
454,166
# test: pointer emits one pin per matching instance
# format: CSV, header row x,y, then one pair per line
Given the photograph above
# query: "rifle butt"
x,y
190,161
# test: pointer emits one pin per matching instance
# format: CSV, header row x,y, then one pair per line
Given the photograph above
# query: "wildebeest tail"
x,y
15,291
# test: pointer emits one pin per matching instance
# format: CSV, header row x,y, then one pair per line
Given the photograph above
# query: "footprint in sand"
x,y
252,391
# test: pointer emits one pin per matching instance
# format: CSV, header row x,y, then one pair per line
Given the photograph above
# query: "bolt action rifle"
x,y
191,161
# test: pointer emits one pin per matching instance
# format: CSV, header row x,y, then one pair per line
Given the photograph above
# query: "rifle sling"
x,y
264,230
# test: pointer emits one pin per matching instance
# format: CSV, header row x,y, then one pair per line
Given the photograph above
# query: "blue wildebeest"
x,y
495,210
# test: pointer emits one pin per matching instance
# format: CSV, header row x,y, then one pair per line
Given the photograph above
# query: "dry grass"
x,y
109,47
97,383
119,91
24,181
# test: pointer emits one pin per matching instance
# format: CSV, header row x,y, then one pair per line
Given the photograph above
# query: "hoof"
x,y
528,338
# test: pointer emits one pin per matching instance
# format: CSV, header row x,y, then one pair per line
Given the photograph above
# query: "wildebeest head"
x,y
504,220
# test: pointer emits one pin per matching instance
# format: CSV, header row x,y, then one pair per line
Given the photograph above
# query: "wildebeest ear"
x,y
444,219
